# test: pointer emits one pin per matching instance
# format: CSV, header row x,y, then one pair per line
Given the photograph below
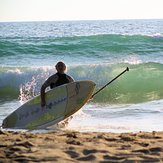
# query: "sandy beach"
x,y
70,146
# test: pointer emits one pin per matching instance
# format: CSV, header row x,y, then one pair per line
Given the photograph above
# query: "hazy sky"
x,y
31,10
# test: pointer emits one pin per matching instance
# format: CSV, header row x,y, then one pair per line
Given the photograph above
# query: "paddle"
x,y
127,69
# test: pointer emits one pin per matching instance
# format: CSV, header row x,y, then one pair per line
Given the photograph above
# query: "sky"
x,y
54,10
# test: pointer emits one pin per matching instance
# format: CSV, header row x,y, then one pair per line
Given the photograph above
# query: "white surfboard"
x,y
62,102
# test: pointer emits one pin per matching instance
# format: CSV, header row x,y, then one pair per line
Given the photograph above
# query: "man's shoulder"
x,y
70,78
68,75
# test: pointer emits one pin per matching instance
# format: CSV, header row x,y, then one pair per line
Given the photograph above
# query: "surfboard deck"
x,y
61,102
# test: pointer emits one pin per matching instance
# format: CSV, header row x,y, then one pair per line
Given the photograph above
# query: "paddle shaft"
x,y
127,69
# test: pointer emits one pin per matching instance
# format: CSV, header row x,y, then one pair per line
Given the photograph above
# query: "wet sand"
x,y
69,147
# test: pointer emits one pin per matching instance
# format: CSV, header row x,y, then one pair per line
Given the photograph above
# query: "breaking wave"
x,y
142,83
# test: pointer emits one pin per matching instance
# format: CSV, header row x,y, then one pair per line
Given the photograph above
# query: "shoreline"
x,y
72,146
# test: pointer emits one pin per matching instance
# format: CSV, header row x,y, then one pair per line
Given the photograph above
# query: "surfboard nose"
x,y
4,123
10,121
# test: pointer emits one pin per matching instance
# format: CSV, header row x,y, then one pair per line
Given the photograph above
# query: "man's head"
x,y
60,67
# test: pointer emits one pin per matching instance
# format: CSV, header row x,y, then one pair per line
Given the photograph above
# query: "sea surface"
x,y
92,50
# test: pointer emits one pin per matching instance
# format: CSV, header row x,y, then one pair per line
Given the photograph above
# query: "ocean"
x,y
92,50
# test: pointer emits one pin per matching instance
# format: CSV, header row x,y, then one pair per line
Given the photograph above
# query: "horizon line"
x,y
120,19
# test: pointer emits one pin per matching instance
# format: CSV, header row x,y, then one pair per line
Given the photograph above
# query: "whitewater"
x,y
92,50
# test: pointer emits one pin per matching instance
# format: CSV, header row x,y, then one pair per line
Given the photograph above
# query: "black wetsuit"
x,y
62,79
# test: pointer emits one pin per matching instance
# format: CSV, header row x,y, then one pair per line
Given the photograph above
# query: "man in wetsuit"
x,y
55,80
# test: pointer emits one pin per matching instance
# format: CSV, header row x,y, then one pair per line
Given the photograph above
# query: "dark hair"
x,y
60,63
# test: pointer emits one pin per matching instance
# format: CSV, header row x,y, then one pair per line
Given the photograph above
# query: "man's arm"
x,y
52,78
43,88
43,102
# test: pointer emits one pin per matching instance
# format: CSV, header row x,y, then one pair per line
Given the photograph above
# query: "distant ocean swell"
x,y
88,45
142,83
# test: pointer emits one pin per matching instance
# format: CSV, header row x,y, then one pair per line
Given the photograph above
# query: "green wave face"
x,y
142,83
